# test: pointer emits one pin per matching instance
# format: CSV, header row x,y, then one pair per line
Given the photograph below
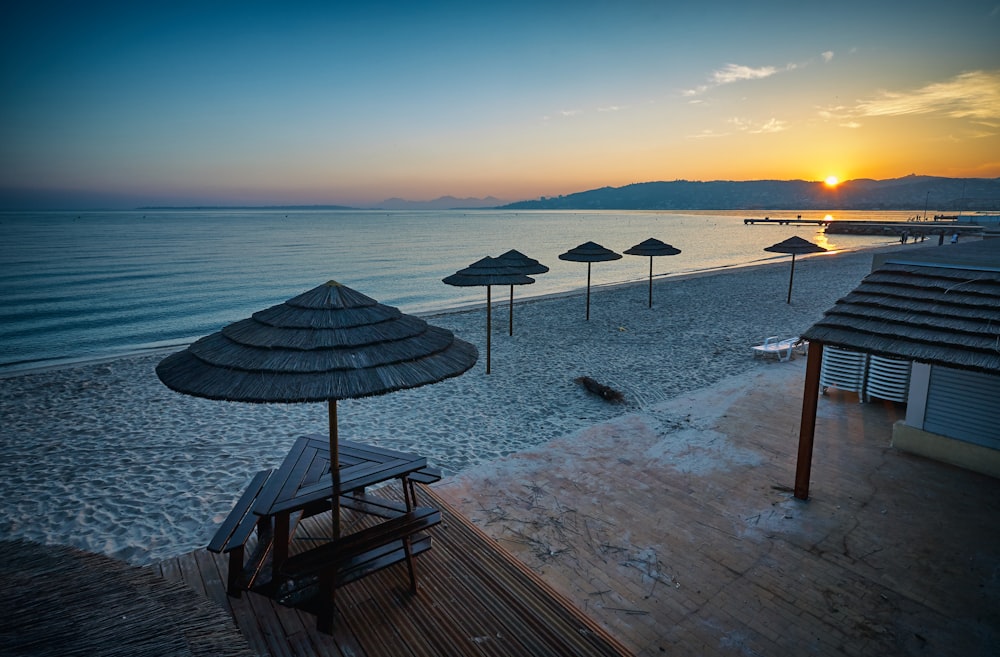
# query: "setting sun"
x,y
831,181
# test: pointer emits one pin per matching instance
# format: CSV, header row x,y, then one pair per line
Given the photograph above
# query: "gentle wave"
x,y
88,285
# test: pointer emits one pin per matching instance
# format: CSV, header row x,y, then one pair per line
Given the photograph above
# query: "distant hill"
x,y
442,203
245,207
908,193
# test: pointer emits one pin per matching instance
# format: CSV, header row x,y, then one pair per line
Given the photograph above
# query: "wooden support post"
x,y
588,291
489,329
807,429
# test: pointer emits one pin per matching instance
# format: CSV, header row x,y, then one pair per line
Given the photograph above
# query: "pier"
x,y
798,221
911,228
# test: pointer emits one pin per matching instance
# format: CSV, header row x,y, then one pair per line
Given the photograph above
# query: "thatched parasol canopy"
x,y
794,246
488,272
326,344
525,265
589,252
652,248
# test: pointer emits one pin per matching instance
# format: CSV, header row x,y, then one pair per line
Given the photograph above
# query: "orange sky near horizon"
x,y
189,103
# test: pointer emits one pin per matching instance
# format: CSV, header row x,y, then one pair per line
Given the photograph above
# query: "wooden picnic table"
x,y
303,482
303,486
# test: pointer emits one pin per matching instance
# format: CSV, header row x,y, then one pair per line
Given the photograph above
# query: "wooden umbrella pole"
x,y
650,281
334,467
489,321
588,291
511,330
791,277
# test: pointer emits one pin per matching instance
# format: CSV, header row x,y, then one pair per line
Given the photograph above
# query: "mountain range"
x,y
911,192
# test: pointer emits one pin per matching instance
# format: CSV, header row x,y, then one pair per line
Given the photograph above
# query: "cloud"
x,y
707,134
974,95
610,108
770,126
738,73
734,73
827,56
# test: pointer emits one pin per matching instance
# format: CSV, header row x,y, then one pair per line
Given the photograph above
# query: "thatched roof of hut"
x,y
940,307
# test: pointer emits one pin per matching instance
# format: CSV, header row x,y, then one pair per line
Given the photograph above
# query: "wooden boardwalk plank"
x,y
473,599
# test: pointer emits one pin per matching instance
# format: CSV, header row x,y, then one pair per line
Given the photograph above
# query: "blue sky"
x,y
118,105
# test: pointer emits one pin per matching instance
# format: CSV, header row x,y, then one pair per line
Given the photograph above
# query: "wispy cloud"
x,y
974,95
707,134
734,73
827,56
757,127
731,73
611,108
563,114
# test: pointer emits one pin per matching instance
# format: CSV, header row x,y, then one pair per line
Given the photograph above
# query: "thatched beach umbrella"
x,y
652,247
326,344
488,271
795,246
525,265
589,252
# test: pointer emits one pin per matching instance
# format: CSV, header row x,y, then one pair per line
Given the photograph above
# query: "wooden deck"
x,y
474,599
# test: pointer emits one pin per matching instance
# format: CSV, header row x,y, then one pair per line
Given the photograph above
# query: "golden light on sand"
x,y
831,181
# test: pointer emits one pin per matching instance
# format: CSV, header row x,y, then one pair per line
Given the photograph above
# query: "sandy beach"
x,y
103,457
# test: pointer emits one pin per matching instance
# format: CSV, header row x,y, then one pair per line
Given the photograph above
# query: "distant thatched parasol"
x,y
488,271
652,247
794,246
326,344
525,265
589,252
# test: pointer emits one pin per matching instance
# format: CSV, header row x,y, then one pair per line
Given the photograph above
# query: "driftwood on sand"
x,y
610,394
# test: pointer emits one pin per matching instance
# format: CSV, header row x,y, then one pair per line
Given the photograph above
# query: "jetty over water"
x,y
912,228
797,221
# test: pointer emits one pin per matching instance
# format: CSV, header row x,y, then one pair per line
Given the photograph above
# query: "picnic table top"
x,y
304,476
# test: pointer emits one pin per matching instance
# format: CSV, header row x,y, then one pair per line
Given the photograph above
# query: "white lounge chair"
x,y
781,348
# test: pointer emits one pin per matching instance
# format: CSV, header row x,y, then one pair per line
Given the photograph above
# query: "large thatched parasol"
x,y
652,247
589,252
795,246
488,271
525,265
326,344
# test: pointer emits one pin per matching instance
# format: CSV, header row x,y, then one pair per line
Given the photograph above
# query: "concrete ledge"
x,y
948,450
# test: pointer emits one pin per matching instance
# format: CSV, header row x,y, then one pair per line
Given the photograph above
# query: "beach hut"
x,y
938,309
652,248
525,265
488,272
589,252
326,344
794,246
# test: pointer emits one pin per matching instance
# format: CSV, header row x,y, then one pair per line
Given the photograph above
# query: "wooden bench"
x,y
318,572
232,536
374,505
425,476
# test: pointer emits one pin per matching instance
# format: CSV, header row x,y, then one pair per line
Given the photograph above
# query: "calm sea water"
x,y
82,285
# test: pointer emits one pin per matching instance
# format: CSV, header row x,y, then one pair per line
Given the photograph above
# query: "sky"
x,y
119,105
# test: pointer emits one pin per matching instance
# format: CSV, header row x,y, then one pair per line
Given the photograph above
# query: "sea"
x,y
87,285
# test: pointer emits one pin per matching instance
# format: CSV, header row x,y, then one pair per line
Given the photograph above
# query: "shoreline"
x,y
17,369
104,457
